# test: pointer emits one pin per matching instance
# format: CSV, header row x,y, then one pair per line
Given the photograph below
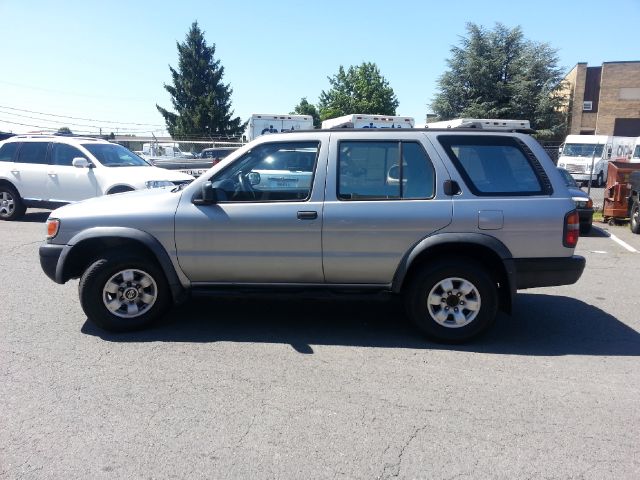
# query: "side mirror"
x,y
81,162
254,178
208,195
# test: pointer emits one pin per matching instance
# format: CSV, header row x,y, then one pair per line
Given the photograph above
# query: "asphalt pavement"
x,y
331,388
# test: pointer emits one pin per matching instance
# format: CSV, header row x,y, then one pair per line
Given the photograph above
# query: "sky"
x,y
105,63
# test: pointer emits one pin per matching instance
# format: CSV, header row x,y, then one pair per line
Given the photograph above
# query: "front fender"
x,y
178,287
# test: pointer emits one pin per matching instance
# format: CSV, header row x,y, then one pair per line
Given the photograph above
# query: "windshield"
x,y
582,150
114,155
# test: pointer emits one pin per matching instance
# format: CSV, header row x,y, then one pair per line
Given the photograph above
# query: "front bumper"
x,y
49,256
548,272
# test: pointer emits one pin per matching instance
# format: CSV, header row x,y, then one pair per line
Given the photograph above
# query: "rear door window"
x,y
496,165
8,151
372,170
33,152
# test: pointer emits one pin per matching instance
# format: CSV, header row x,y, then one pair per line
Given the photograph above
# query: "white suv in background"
x,y
50,171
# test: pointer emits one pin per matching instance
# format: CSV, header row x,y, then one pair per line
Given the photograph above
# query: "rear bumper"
x,y
547,272
49,256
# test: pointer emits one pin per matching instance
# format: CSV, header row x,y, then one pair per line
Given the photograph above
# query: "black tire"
x,y
96,277
11,205
600,180
634,222
421,285
585,228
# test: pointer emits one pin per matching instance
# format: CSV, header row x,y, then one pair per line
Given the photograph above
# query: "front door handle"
x,y
52,174
307,215
15,172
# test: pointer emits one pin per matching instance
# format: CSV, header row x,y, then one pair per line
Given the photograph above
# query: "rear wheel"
x,y
452,300
585,228
11,205
122,293
634,222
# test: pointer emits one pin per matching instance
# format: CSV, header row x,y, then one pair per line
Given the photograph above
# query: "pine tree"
x,y
500,74
201,102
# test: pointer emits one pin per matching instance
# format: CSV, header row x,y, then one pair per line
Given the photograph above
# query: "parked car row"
x,y
49,171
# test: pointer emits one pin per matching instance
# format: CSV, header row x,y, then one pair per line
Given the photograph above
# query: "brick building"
x,y
604,100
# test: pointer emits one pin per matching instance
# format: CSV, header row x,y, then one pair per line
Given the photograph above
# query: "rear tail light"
x,y
571,229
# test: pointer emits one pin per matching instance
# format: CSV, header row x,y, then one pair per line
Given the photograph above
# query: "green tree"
x,y
64,131
360,89
498,73
306,108
201,101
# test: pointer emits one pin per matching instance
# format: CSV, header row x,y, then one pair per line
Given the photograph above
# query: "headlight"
x,y
53,225
158,183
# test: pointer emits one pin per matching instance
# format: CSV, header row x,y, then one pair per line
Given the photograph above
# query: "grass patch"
x,y
597,216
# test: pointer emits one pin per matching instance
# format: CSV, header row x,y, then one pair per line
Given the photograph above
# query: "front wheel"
x,y
452,300
11,205
123,293
634,222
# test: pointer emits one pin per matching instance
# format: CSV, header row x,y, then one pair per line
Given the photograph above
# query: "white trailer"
x,y
579,151
264,123
484,123
369,121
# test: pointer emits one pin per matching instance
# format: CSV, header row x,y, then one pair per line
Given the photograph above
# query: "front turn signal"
x,y
53,224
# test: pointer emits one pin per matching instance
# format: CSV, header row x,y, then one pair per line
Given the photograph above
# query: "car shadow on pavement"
x,y
540,325
34,217
597,232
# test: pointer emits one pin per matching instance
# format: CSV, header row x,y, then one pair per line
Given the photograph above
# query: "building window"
x,y
587,106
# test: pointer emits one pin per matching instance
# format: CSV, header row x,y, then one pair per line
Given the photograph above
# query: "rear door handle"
x,y
52,174
15,172
307,215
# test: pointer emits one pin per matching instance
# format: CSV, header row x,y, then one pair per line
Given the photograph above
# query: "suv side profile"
x,y
51,171
454,221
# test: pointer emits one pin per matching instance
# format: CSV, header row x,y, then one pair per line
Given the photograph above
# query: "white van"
x,y
635,152
579,151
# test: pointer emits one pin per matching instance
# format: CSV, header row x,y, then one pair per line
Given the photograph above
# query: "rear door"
x,y
29,173
378,207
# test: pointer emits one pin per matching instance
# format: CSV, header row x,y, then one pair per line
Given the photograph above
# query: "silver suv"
x,y
455,221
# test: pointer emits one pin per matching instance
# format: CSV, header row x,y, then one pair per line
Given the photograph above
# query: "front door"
x,y
264,230
66,183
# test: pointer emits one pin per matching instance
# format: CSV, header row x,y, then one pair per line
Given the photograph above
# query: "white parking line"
x,y
623,244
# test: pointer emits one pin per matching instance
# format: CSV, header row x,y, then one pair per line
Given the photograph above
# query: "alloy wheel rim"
x,y
454,302
130,293
7,204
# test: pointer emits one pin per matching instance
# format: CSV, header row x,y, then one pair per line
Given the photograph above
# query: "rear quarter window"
x,y
499,165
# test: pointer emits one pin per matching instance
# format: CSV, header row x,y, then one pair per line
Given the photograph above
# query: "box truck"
x,y
485,123
264,123
369,121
